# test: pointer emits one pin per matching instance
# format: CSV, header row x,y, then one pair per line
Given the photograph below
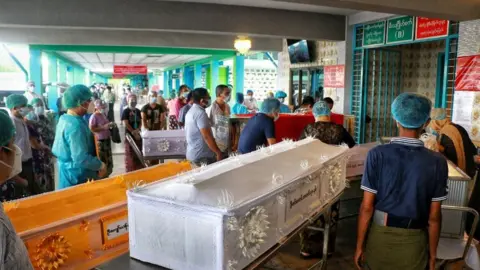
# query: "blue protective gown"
x,y
75,151
239,109
284,109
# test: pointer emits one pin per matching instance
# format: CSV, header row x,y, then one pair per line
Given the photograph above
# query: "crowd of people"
x,y
404,183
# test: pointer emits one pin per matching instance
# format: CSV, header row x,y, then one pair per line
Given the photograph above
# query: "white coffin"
x,y
164,143
358,155
225,215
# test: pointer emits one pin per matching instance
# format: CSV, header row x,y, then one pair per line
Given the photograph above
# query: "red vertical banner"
x,y
334,76
430,28
468,73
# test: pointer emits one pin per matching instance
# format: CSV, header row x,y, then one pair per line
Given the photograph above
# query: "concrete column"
x,y
62,71
238,74
170,86
223,75
36,69
213,77
52,77
197,76
165,85
177,80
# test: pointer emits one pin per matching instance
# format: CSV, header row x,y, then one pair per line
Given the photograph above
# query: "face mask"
x,y
250,98
39,110
153,100
32,116
132,104
31,88
184,95
281,100
103,111
91,108
227,98
24,111
275,117
206,103
17,162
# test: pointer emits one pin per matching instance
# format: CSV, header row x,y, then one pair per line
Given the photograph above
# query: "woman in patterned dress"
x,y
312,241
42,136
100,127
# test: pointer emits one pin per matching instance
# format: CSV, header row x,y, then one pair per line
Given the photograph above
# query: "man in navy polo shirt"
x,y
260,129
404,184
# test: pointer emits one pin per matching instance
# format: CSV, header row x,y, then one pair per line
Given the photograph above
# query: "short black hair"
x,y
198,94
308,100
189,96
109,87
328,100
220,88
183,86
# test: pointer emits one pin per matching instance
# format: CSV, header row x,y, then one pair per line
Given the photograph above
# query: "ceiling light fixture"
x,y
243,45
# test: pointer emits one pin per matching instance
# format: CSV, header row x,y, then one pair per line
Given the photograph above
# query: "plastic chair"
x,y
455,249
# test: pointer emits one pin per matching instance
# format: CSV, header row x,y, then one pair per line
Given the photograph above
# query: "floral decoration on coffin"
x,y
252,230
52,252
163,145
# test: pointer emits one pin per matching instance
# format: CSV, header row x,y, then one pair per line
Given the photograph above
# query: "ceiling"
x,y
103,62
275,4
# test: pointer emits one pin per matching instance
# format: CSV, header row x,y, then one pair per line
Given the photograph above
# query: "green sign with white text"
x,y
400,29
374,34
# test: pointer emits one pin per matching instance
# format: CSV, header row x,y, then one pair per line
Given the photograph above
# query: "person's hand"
x,y
103,171
106,126
358,258
431,264
21,181
219,156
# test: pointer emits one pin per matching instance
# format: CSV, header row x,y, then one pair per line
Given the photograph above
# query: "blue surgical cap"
x,y
270,105
438,114
240,98
321,109
8,129
249,92
16,100
35,101
411,110
75,96
280,94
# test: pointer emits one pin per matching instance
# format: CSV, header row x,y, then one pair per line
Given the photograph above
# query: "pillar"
x,y
223,75
165,85
52,77
213,75
188,77
62,71
197,75
170,89
208,84
238,74
36,69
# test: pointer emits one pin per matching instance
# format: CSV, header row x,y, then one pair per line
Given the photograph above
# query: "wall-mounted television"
x,y
300,51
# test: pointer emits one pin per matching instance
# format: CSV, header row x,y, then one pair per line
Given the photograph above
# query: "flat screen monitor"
x,y
299,52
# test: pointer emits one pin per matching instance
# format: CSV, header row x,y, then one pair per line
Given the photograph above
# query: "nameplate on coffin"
x,y
300,199
114,229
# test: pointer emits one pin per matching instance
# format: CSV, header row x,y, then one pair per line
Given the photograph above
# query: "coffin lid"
x,y
239,180
147,134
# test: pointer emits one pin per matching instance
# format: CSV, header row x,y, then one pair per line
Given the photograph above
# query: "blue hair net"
x,y
411,110
270,105
438,114
321,109
240,98
16,100
8,129
249,92
75,96
35,101
280,94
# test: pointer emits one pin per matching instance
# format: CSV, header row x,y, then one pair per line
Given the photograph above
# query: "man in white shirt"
x,y
250,102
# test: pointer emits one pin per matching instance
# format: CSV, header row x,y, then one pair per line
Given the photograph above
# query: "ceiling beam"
x,y
444,9
149,15
135,38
